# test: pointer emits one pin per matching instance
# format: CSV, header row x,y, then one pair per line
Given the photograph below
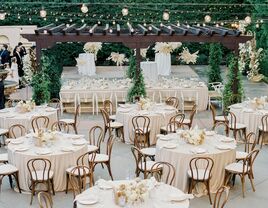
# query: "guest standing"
x,y
20,65
13,71
4,54
2,95
22,49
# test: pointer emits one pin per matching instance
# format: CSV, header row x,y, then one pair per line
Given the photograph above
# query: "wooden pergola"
x,y
135,37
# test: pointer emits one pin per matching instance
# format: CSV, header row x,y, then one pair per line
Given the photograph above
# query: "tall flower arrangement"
x,y
29,66
93,47
166,47
118,58
187,57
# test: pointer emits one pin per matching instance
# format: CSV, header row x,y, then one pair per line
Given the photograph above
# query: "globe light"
x,y
207,18
166,15
150,28
125,11
43,13
248,19
84,8
2,15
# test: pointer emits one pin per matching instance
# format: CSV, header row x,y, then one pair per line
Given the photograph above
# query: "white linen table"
x,y
149,69
87,64
181,155
158,198
159,115
61,152
163,63
9,116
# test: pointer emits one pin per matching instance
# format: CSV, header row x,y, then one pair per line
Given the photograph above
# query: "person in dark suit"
x,y
20,65
2,95
4,54
22,49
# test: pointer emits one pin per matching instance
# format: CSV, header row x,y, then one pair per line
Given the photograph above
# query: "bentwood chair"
x,y
243,169
142,123
110,126
40,122
142,164
200,171
109,108
140,141
40,173
250,144
95,136
263,129
105,159
84,168
189,122
73,122
173,101
175,122
60,126
17,130
44,200
163,171
235,126
221,197
216,119
9,170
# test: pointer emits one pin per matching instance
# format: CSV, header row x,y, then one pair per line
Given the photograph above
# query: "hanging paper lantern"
x,y
84,8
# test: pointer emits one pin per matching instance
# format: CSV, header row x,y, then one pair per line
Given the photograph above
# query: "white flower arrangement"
x,y
43,137
187,57
132,193
194,136
25,106
258,102
145,103
93,47
144,52
118,58
166,47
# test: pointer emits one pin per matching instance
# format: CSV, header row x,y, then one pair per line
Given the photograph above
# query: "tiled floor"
x,y
123,167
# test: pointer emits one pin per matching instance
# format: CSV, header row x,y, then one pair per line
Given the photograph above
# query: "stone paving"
x,y
123,162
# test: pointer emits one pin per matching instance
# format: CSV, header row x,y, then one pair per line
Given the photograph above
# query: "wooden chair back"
x,y
192,114
213,111
39,122
173,101
108,106
45,200
61,126
201,167
95,136
77,111
141,122
249,161
232,120
264,123
139,157
17,130
105,117
140,139
163,171
39,167
221,197
54,103
251,142
175,122
109,146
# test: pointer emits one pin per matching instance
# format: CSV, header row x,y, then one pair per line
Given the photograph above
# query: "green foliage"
x,y
137,88
40,85
215,57
233,89
53,70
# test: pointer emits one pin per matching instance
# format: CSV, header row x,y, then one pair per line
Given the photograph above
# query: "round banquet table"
x,y
181,155
158,198
248,116
159,115
61,152
9,116
163,63
149,69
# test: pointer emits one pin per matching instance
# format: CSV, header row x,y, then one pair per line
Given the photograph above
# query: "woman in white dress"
x,y
13,71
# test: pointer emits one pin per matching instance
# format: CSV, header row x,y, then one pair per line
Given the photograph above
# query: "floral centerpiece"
x,y
42,137
25,106
92,47
166,47
132,193
145,103
258,102
194,136
187,57
118,58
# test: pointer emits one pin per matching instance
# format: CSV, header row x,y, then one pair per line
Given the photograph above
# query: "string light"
x,y
166,15
248,19
43,13
125,11
2,15
84,8
207,18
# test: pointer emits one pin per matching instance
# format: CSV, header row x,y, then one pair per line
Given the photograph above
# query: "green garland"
x,y
233,90
137,88
215,58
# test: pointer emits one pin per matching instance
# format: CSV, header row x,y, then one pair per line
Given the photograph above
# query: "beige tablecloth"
x,y
9,116
60,160
180,157
159,115
158,198
149,69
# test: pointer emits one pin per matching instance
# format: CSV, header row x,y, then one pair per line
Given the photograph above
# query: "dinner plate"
x,y
4,111
105,185
227,140
223,147
170,146
16,141
50,109
79,142
163,138
179,198
76,136
199,150
88,200
21,149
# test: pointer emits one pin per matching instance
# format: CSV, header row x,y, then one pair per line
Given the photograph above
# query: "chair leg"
x,y
243,184
52,186
122,134
208,188
16,176
235,134
109,170
75,129
10,181
250,176
245,134
190,186
33,192
67,182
